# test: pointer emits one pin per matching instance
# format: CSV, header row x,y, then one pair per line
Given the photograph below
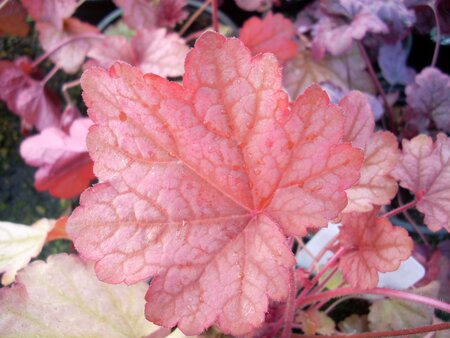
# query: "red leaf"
x,y
424,168
13,19
152,51
27,97
273,34
373,245
65,168
202,179
376,186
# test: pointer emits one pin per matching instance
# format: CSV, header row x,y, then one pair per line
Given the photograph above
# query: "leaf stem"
x,y
49,75
68,41
438,38
412,222
66,86
290,306
194,17
3,4
215,15
377,85
381,334
400,209
377,291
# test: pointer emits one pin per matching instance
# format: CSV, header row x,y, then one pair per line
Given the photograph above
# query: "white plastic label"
x,y
409,272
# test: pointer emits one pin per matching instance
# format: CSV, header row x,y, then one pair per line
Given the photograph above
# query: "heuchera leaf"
x,y
26,96
13,19
392,61
51,11
63,298
272,34
347,71
140,14
373,245
429,97
18,244
397,314
424,168
152,51
202,181
376,186
254,5
65,168
315,322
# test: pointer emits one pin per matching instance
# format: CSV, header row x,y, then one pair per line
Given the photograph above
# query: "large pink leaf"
x,y
152,51
140,14
202,180
428,97
424,168
51,11
27,97
65,168
273,34
373,245
376,186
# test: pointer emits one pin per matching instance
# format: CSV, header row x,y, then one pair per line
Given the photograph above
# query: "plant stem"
x,y
377,291
66,86
328,265
400,209
3,4
215,15
381,334
49,75
322,252
377,85
290,306
194,17
68,41
412,222
438,37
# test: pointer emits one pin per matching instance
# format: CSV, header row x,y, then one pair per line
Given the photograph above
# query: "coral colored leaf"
x,y
51,11
424,168
27,97
347,71
13,19
273,34
201,182
63,298
372,245
140,14
152,51
429,97
71,56
65,168
397,314
59,230
18,244
376,186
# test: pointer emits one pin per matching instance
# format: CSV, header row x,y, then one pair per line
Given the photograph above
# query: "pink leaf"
x,y
254,5
152,51
429,97
71,56
424,168
65,168
13,19
376,186
139,14
51,11
373,245
27,97
203,180
273,34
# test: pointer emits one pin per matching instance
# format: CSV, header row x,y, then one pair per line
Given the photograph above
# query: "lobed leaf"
x,y
65,168
19,244
152,51
373,245
51,11
424,168
63,298
13,19
272,34
201,182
